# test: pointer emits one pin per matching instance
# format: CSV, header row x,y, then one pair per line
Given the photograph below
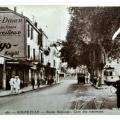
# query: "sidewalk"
x,y
5,93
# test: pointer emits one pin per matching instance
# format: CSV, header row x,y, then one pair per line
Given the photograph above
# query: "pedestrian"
x,y
117,86
17,84
32,83
95,81
87,77
51,80
38,82
12,82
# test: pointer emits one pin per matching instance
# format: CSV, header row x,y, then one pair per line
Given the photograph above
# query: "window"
x,y
28,51
40,40
31,33
42,59
28,30
33,54
110,73
54,63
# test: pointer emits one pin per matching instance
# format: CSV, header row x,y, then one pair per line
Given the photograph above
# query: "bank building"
x,y
24,49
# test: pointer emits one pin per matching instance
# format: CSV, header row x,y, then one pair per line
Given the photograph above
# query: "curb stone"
x,y
36,89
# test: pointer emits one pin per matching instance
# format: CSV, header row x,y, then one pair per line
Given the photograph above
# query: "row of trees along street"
x,y
89,37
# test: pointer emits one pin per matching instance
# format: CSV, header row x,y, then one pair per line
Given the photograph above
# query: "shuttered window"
x,y
31,33
40,40
33,54
28,51
42,59
28,30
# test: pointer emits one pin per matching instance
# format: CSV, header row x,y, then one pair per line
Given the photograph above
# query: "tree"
x,y
105,22
89,37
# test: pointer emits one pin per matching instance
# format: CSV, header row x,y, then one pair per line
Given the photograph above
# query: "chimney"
x,y
15,9
36,24
21,13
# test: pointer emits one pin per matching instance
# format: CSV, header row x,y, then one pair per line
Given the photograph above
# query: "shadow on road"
x,y
78,88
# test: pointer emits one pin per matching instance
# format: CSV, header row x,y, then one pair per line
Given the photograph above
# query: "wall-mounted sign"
x,y
12,41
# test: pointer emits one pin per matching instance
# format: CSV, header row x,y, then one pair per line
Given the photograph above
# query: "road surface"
x,y
59,99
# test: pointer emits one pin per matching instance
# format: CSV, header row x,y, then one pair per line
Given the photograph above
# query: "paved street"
x,y
63,97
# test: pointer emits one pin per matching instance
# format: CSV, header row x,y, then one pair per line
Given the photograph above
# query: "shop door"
x,y
8,77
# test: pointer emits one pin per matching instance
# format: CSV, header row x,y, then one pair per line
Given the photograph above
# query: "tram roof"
x,y
108,68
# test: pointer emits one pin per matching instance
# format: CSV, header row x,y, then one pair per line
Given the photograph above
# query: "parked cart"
x,y
81,78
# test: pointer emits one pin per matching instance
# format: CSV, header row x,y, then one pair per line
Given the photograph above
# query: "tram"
x,y
110,75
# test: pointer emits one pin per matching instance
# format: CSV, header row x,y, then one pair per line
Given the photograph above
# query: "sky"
x,y
54,20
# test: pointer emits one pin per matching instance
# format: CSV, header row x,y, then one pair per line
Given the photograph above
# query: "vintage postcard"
x,y
59,60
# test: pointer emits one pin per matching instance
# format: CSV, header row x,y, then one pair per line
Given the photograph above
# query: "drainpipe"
x,y
4,74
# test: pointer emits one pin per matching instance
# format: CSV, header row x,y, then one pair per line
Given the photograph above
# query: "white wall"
x,y
53,56
33,43
45,46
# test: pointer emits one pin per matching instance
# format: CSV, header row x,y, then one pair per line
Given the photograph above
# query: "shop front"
x,y
17,68
50,74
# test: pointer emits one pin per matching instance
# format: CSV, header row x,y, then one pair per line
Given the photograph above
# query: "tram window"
x,y
105,73
110,73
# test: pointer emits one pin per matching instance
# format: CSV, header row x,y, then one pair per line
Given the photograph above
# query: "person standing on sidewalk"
x,y
32,83
17,84
12,83
117,86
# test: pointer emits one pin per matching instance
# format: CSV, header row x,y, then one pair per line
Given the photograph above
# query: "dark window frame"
x,y
28,30
40,39
31,33
34,54
28,54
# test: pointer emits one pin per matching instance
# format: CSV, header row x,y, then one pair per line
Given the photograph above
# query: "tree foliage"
x,y
90,35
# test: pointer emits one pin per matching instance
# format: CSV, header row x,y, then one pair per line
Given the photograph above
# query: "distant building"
x,y
54,60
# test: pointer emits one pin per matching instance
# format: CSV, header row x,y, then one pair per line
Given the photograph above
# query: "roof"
x,y
109,68
6,9
37,30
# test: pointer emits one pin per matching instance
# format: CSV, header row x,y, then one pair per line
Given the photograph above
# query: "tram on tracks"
x,y
110,75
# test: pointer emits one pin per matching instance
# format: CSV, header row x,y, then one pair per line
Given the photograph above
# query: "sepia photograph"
x,y
59,60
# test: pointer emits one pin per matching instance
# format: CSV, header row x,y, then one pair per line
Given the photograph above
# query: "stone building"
x,y
21,48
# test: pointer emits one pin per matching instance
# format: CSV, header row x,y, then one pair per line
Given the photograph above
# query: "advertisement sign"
x,y
12,35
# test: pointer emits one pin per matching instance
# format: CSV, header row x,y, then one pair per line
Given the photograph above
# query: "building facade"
x,y
22,48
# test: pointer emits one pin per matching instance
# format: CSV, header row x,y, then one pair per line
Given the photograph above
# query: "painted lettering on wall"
x,y
12,35
10,20
11,53
5,46
10,32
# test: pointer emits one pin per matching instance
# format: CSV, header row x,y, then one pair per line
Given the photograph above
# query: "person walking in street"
x,y
33,83
12,83
117,86
17,84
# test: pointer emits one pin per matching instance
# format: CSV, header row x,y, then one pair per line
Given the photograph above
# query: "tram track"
x,y
88,104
